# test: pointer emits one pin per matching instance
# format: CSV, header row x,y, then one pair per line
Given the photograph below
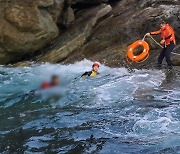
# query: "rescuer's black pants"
x,y
166,52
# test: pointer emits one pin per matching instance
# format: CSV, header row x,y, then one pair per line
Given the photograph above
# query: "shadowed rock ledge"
x,y
76,35
70,30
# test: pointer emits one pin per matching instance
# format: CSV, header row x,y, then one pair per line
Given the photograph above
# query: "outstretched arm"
x,y
85,74
156,32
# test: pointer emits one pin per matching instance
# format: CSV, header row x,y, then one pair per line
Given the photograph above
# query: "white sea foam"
x,y
132,106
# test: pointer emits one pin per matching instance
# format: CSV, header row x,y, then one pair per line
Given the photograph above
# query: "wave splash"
x,y
116,112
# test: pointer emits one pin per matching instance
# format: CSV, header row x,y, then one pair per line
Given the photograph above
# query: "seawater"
x,y
116,112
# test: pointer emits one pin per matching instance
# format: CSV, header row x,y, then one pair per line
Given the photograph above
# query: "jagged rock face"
x,y
100,30
128,21
88,1
75,36
26,26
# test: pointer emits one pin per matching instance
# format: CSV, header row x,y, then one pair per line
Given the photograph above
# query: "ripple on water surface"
x,y
115,112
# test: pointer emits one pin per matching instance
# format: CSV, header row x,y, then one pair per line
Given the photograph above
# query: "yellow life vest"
x,y
93,74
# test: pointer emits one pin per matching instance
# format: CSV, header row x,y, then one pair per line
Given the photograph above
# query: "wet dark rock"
x,y
83,31
176,61
26,26
76,36
127,22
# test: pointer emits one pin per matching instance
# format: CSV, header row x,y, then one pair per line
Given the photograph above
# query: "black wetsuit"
x,y
90,73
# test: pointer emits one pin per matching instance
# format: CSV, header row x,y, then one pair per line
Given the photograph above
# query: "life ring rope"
x,y
141,57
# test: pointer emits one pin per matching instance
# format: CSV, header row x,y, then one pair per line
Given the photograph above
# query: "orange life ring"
x,y
141,57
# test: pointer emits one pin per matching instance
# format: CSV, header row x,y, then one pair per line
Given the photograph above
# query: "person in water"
x,y
93,72
55,80
168,41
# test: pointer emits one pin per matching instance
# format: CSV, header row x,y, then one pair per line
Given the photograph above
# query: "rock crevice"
x,y
70,30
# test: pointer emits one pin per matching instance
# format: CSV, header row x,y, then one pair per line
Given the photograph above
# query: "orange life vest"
x,y
167,34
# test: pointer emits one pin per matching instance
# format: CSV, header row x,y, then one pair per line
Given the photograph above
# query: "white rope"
x,y
156,42
144,37
175,53
159,44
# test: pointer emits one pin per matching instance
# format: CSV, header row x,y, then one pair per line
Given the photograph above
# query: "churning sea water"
x,y
117,112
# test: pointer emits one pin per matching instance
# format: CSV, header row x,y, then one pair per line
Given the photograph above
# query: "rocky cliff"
x,y
70,30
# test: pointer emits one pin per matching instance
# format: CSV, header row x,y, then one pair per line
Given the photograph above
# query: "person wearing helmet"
x,y
93,72
168,41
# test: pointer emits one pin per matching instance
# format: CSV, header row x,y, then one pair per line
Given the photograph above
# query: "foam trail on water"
x,y
116,111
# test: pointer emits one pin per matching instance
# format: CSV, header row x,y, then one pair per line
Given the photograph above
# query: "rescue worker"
x,y
54,82
93,72
168,41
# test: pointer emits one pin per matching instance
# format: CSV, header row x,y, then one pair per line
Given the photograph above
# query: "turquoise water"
x,y
117,112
